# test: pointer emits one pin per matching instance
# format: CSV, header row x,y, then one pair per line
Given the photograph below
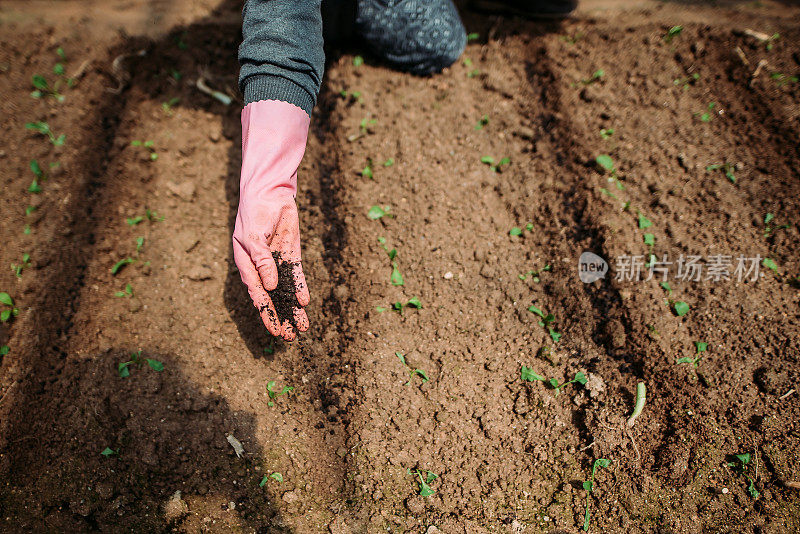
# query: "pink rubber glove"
x,y
274,138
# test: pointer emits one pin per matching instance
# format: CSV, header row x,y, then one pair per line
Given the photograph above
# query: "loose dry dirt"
x,y
509,455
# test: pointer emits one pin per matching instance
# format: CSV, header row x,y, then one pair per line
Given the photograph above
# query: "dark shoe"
x,y
536,9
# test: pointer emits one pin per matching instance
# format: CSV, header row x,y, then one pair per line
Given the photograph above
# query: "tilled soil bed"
x,y
136,360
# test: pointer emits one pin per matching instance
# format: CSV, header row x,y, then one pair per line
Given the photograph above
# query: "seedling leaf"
x,y
681,308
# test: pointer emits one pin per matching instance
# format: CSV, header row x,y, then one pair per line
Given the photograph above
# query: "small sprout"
x,y
139,243
515,231
571,39
123,368
424,483
768,229
44,129
483,122
528,375
580,378
473,36
263,481
782,79
363,129
354,96
687,81
649,239
108,451
389,162
120,264
376,212
10,310
30,209
4,350
605,161
277,477
771,41
274,394
169,104
149,146
474,72
412,372
666,287
769,264
546,320
596,76
727,168
367,172
672,33
42,87
155,365
358,61
644,222
589,487
700,347
641,395
17,268
413,302
706,115
127,292
133,221
681,308
488,160
153,216
740,464
534,274
605,133
396,278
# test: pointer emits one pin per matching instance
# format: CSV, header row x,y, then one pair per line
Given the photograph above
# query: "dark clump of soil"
x,y
284,297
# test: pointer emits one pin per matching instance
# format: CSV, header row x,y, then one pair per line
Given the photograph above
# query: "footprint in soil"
x,y
284,297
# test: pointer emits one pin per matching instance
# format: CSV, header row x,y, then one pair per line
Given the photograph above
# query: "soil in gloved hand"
x,y
284,297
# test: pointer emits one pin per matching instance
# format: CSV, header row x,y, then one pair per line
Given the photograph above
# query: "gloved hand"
x,y
274,138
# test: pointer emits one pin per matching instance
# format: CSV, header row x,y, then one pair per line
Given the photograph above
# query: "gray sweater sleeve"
x,y
281,55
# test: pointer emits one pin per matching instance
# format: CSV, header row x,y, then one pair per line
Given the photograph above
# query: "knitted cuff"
x,y
267,87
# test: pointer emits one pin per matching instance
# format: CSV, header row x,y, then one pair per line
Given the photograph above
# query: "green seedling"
x,y
672,33
482,122
274,394
396,278
149,146
589,487
473,36
274,476
367,172
169,104
606,133
9,310
644,222
782,79
120,264
412,372
517,231
176,74
534,274
489,160
545,322
700,348
139,243
127,292
108,451
595,77
424,482
413,302
389,162
123,368
687,81
770,43
528,375
649,240
571,39
377,212
354,96
148,215
27,229
727,168
768,229
740,465
679,307
4,349
472,73
705,116
44,129
17,268
30,209
358,61
43,89
770,264
363,129
270,346
666,287
605,162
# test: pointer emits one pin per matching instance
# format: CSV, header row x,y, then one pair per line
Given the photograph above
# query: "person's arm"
x,y
281,54
282,61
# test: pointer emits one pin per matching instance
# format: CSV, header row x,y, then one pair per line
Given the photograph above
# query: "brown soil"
x,y
509,455
284,296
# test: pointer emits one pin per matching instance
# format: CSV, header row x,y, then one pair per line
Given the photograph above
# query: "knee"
x,y
419,36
